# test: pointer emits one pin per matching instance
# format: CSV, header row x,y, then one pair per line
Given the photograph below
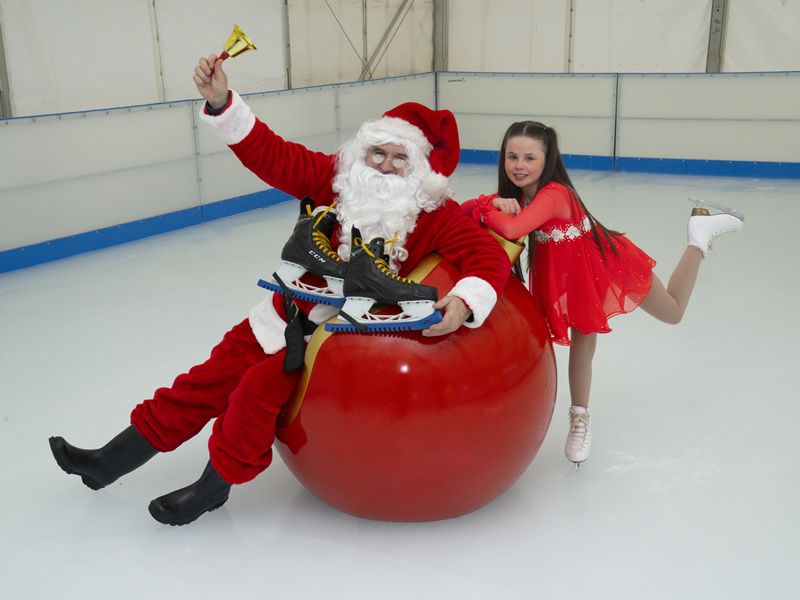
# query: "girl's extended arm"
x,y
547,204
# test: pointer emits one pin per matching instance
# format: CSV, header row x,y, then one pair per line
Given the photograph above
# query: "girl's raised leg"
x,y
669,304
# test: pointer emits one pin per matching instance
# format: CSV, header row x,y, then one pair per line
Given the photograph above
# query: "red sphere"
x,y
400,427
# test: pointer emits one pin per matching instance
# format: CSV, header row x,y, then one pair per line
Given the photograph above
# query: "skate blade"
x,y
303,295
720,207
378,326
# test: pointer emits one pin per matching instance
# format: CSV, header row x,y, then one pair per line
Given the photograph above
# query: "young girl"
x,y
581,272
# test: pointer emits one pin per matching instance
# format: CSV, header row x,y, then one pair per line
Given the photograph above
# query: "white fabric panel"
x,y
508,35
653,36
223,177
711,117
322,53
544,95
360,102
57,148
762,35
579,107
188,31
77,55
410,50
711,96
62,176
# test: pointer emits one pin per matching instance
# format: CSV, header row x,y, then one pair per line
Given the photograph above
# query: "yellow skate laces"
x,y
320,239
382,265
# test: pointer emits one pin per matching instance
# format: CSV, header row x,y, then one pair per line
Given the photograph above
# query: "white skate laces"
x,y
579,438
703,227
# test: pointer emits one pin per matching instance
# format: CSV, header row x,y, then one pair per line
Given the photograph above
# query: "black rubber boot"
x,y
97,468
185,505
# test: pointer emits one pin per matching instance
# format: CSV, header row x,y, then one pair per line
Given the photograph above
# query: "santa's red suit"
x,y
243,384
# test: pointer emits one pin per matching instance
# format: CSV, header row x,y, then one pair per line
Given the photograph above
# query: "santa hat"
x,y
435,132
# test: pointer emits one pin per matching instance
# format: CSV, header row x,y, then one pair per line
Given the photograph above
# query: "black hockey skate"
x,y
369,280
309,250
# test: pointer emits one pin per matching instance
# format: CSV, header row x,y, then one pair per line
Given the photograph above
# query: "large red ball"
x,y
400,427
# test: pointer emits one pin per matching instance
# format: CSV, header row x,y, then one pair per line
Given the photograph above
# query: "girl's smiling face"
x,y
524,162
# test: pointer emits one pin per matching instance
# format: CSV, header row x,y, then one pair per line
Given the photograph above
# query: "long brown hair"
x,y
554,170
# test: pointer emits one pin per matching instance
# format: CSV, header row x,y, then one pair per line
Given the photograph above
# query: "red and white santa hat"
x,y
435,132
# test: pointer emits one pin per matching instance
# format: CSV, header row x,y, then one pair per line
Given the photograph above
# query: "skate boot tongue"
x,y
376,247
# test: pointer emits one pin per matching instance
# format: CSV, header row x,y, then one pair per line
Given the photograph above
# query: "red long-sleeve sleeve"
x,y
287,166
551,202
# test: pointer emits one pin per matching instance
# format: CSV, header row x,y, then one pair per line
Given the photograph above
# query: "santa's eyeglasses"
x,y
378,157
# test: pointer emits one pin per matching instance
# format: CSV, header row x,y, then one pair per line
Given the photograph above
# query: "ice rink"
x,y
689,492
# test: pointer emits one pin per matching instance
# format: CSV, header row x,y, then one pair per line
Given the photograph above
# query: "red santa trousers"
x,y
240,385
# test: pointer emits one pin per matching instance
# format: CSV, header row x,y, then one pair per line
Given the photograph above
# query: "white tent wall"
x,y
510,36
85,54
77,55
636,36
579,36
328,42
186,32
762,35
719,117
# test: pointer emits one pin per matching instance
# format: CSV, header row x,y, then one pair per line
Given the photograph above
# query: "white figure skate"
x,y
579,438
703,227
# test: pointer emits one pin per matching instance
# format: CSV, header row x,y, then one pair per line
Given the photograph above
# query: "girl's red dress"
x,y
577,284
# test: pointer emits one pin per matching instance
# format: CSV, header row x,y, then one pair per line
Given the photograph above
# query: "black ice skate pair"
x,y
356,285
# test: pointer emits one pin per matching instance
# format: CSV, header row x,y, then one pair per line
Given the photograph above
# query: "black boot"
x,y
185,505
97,468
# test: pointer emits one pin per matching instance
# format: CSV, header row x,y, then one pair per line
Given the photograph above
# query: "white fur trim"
x,y
479,295
233,125
268,326
322,312
398,128
436,186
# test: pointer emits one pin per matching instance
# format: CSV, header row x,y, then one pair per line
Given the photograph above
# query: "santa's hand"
x,y
507,206
211,81
455,313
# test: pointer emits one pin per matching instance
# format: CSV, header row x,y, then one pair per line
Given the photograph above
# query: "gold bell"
x,y
237,43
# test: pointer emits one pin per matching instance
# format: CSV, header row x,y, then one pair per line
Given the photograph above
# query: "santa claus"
x,y
391,182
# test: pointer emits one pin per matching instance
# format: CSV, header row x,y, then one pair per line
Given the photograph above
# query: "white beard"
x,y
385,206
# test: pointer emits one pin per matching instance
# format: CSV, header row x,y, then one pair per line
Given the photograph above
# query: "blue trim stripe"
x,y
676,166
28,256
573,161
726,168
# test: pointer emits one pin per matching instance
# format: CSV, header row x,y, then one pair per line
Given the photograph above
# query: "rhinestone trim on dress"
x,y
563,234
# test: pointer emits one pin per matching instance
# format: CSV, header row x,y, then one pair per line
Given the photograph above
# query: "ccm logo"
x,y
317,256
